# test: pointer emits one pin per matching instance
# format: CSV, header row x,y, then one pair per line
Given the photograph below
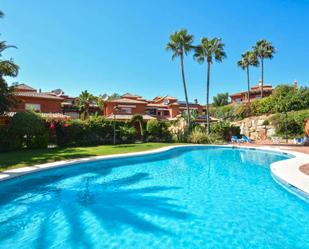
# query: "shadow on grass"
x,y
21,158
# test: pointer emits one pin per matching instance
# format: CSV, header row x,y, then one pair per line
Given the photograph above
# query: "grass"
x,y
17,159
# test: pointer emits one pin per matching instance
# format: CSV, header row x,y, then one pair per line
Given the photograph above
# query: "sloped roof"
x,y
130,95
36,95
24,87
127,101
128,117
43,114
157,105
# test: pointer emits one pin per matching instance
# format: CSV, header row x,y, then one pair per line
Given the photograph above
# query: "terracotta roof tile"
x,y
129,101
24,87
36,95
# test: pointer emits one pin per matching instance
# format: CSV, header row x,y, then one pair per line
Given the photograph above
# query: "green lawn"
x,y
22,158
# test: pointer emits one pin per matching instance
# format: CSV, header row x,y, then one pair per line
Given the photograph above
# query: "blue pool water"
x,y
185,198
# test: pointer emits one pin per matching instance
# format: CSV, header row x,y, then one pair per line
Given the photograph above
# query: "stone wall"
x,y
253,127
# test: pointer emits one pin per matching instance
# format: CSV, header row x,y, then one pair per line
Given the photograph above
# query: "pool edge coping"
x,y
287,171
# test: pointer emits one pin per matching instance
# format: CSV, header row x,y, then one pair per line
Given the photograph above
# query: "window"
x,y
126,110
238,100
33,107
166,113
258,96
166,101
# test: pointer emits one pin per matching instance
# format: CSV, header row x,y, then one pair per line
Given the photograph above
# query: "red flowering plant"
x,y
54,123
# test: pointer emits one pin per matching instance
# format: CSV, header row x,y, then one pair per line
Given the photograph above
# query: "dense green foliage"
x,y
26,130
93,131
221,99
294,122
7,69
219,132
224,130
158,131
285,98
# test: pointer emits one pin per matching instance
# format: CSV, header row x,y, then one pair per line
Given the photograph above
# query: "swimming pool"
x,y
188,197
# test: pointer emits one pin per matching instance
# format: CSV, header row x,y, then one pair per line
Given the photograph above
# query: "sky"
x,y
108,46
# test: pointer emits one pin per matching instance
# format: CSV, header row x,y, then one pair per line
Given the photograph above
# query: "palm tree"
x,y
208,50
83,102
248,59
264,50
10,69
180,43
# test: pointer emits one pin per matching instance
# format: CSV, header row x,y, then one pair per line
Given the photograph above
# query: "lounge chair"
x,y
235,139
299,141
245,139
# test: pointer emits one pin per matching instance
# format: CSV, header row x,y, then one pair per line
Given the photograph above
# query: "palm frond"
x,y
8,68
179,42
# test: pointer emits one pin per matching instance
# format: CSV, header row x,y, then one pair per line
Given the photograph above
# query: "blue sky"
x,y
118,46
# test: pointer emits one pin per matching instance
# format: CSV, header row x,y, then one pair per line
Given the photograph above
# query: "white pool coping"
x,y
286,171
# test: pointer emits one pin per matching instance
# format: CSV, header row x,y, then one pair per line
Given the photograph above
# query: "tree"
x,y
263,50
113,96
7,69
208,50
221,99
248,59
180,43
138,118
83,102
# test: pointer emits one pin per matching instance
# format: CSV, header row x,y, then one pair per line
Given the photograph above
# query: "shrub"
x,y
158,131
70,133
199,136
224,130
179,130
284,98
29,128
9,142
221,99
294,123
127,134
93,131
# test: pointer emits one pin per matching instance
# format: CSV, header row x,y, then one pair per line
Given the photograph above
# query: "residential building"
x,y
56,102
255,93
29,98
161,108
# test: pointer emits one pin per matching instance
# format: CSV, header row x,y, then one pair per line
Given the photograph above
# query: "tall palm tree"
x,y
83,102
180,43
208,50
264,50
248,59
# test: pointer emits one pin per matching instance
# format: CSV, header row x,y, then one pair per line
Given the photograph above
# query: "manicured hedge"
x,y
26,130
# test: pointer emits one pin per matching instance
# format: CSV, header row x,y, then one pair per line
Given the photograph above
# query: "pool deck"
x,y
293,172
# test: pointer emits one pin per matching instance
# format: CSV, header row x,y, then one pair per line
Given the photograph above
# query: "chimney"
x,y
195,101
295,84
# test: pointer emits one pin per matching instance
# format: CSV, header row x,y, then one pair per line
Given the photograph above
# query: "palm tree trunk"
x,y
262,85
248,80
207,98
185,91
